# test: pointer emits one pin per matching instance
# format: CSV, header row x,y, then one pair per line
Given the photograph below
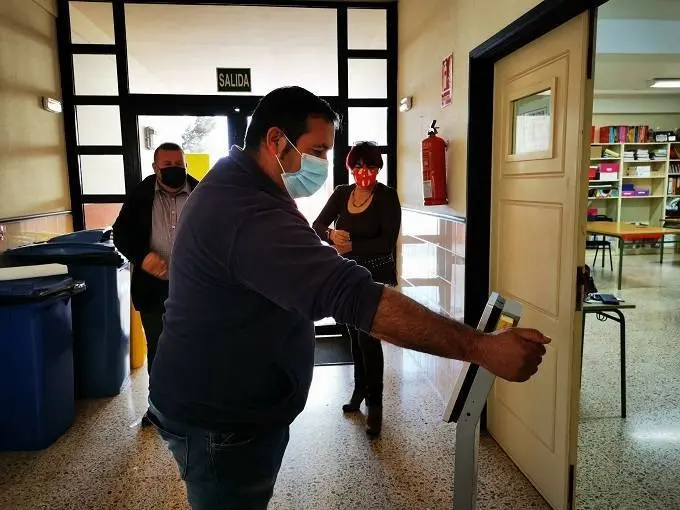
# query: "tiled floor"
x,y
633,463
104,462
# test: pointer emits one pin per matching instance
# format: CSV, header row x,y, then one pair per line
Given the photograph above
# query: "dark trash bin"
x,y
37,400
101,315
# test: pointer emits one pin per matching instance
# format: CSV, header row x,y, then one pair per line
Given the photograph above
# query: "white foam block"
x,y
24,272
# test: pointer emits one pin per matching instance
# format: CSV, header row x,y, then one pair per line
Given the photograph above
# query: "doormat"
x,y
332,350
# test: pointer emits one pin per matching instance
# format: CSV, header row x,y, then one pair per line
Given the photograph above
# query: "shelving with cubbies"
x,y
640,189
673,176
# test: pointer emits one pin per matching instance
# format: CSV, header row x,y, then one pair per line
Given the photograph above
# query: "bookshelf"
x,y
651,170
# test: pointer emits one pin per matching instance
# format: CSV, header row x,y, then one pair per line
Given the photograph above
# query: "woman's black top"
x,y
373,232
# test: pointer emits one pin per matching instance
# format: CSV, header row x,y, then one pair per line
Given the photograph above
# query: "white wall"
x,y
662,112
33,176
426,36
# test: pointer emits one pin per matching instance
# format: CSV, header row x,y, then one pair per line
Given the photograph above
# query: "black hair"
x,y
287,108
166,146
367,153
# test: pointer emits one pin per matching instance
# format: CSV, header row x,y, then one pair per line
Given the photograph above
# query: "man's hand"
x,y
155,265
339,237
513,354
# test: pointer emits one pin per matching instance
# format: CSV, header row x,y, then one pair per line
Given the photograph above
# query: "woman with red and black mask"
x,y
366,217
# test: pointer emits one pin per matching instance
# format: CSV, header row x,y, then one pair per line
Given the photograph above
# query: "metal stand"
x,y
467,403
467,442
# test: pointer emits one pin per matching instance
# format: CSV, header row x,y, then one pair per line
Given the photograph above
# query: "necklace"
x,y
354,202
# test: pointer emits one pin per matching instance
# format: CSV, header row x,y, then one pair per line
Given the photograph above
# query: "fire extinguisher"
x,y
433,150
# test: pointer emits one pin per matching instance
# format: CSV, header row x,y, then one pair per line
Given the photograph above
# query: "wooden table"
x,y
621,231
605,312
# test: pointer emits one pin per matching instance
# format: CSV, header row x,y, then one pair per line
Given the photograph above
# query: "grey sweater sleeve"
x,y
279,256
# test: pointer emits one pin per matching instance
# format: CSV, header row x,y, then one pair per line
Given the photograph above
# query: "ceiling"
x,y
637,41
640,9
180,51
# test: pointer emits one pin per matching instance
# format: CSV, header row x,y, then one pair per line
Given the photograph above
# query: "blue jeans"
x,y
225,471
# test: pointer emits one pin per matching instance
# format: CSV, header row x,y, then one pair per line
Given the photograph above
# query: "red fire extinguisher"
x,y
433,150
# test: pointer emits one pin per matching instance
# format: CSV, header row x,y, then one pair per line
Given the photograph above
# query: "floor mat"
x,y
332,350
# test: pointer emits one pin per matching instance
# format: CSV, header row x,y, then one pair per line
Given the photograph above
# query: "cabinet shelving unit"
x,y
649,209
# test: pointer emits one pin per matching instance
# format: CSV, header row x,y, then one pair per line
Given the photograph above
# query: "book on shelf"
x,y
608,153
674,185
622,134
659,154
645,154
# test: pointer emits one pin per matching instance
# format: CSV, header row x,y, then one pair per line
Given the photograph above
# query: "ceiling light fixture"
x,y
665,83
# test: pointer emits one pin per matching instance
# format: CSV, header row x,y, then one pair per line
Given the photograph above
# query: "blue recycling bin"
x,y
101,315
37,402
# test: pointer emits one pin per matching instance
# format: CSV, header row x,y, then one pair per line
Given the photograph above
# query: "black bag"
x,y
588,282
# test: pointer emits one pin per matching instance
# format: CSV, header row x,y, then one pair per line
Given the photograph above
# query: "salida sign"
x,y
233,80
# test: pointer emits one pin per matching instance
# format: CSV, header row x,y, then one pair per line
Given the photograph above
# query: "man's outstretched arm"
x,y
513,354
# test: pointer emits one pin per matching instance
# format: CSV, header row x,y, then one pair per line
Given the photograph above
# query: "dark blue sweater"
x,y
248,277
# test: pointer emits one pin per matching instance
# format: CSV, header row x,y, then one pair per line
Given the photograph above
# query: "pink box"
x,y
609,167
628,193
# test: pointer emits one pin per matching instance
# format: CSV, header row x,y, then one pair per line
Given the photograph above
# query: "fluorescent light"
x,y
665,83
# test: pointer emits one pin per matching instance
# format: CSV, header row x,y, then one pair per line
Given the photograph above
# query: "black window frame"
x,y
237,108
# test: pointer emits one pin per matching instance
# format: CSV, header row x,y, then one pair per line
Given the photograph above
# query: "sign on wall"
x,y
233,80
447,81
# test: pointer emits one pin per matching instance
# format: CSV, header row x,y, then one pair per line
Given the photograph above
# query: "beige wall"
x,y
665,122
656,111
33,176
426,36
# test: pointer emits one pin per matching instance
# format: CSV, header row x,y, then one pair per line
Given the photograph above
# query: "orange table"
x,y
621,231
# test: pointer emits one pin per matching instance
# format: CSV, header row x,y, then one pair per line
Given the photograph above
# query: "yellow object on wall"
x,y
137,340
198,165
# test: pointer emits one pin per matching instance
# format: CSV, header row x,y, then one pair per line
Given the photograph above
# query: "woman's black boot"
x,y
354,402
374,420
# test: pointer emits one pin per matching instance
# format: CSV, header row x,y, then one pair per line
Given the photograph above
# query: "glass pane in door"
x,y
98,125
367,78
102,174
367,29
367,125
280,45
204,139
95,75
91,23
101,215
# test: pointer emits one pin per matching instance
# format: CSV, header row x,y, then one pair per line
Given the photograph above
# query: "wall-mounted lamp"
x,y
405,103
51,105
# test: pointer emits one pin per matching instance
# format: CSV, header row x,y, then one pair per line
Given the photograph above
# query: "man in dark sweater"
x,y
145,231
248,278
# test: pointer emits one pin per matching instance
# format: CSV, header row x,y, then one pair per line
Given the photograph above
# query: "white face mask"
x,y
308,179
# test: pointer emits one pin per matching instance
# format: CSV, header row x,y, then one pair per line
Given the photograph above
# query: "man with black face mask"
x,y
145,232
